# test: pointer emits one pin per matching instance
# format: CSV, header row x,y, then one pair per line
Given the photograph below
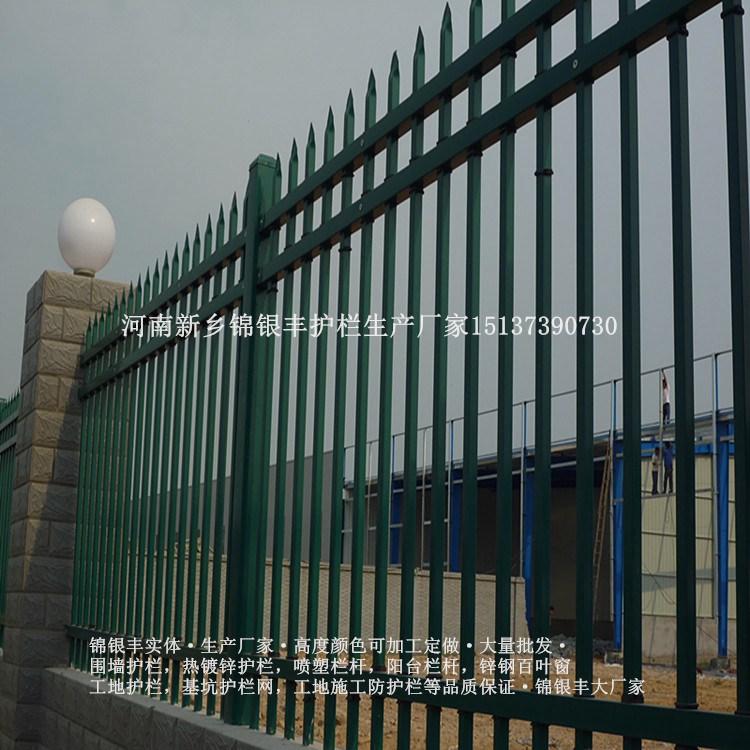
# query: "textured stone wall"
x,y
40,567
72,718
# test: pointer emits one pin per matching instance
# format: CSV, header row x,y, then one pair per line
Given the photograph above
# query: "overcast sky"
x,y
157,108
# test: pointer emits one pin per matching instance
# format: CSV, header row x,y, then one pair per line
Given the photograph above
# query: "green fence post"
x,y
684,376
282,440
739,249
504,489
339,425
631,377
319,423
541,564
360,419
248,438
440,389
585,509
385,429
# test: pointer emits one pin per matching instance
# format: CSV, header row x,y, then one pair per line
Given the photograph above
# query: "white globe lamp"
x,y
86,236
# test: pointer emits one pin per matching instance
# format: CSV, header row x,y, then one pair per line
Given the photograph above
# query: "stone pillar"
x,y
43,522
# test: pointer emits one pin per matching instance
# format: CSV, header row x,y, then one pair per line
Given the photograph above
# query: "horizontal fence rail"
x,y
214,454
8,421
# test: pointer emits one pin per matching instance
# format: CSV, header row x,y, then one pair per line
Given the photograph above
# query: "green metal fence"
x,y
181,433
8,419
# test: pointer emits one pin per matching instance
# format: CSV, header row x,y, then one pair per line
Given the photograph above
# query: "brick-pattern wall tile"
x,y
42,464
47,392
57,430
29,364
46,575
74,325
24,431
67,290
34,297
67,396
25,610
66,467
58,357
51,323
62,539
105,293
162,731
32,330
52,502
57,610
139,727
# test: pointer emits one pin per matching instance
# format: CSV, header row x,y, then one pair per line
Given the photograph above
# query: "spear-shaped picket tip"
x,y
310,152
175,264
277,178
233,216
418,62
220,223
196,246
147,287
446,38
293,166
122,309
165,272
394,83
330,136
156,279
186,254
115,315
131,299
208,238
349,119
475,22
138,292
88,335
371,101
277,166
